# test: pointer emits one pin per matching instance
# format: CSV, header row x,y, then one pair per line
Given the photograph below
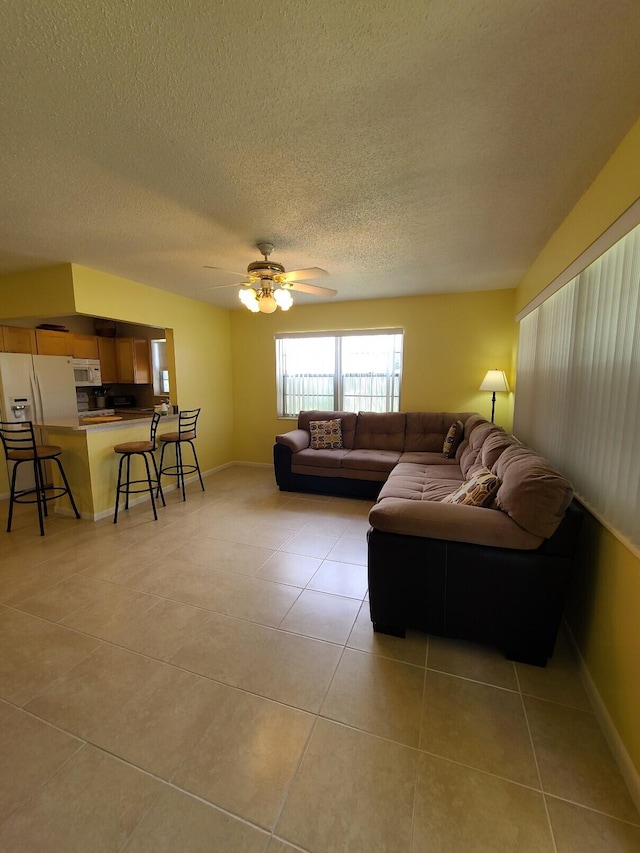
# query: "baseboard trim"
x,y
241,464
629,772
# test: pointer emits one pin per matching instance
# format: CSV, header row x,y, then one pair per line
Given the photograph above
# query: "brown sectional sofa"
x,y
496,574
373,444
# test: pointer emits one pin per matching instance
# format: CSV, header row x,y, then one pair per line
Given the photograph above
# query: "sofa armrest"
x,y
295,440
453,522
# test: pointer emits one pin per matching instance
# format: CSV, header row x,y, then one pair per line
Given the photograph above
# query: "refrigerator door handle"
x,y
37,397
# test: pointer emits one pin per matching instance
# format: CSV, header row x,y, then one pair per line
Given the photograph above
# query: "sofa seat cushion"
x,y
452,522
415,482
318,458
422,471
533,492
428,458
371,460
380,431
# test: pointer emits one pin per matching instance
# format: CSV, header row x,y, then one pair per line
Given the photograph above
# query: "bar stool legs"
x,y
127,487
185,435
19,442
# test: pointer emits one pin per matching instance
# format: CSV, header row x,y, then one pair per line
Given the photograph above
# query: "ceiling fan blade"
x,y
309,288
230,272
233,284
294,275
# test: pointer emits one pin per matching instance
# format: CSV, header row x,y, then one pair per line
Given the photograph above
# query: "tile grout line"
x,y
420,729
535,759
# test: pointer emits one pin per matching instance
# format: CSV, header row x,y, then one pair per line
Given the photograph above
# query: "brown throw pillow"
x,y
478,491
326,435
452,440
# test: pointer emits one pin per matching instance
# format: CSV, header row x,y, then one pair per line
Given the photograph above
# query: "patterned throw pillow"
x,y
326,435
452,440
478,491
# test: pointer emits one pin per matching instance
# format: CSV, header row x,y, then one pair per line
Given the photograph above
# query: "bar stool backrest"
x,y
155,420
17,436
187,423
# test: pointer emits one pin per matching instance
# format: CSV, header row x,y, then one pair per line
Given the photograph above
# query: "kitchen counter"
x,y
75,424
89,460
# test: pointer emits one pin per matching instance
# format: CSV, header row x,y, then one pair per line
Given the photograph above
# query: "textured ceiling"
x,y
406,146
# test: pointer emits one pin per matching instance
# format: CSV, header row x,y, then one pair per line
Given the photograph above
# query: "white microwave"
x,y
86,371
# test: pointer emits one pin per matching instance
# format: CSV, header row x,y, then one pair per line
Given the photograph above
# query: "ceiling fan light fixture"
x,y
284,299
268,286
266,303
249,299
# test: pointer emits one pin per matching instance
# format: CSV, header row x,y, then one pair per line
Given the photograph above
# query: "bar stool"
x,y
186,434
19,442
138,448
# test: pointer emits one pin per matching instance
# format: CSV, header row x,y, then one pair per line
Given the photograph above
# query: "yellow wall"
x,y
450,341
604,613
46,292
616,189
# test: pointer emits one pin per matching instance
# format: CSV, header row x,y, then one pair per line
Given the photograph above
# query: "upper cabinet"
x,y
107,356
17,339
54,343
85,346
133,357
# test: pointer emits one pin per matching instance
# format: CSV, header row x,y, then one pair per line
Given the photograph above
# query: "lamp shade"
x,y
495,380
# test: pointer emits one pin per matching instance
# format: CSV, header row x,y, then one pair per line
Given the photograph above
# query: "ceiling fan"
x,y
268,275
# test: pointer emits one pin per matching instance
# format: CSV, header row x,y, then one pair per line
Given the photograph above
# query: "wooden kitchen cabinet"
x,y
85,346
108,363
17,339
133,357
49,342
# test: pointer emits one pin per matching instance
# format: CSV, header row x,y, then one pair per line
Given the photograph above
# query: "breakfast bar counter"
x,y
90,464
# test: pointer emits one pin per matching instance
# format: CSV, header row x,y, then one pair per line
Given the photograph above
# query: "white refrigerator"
x,y
38,388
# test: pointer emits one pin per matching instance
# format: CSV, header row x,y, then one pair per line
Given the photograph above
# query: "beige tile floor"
x,y
211,682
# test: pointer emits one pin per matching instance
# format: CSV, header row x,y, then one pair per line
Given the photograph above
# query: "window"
x,y
349,371
578,384
159,363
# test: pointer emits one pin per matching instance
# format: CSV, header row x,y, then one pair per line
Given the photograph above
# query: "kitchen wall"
x,y
200,334
603,613
450,341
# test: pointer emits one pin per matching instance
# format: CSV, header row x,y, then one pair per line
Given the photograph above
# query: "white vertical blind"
x,y
578,384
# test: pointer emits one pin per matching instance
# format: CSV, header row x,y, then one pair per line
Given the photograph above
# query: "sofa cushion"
x,y
417,485
326,435
478,491
348,423
493,445
371,460
432,458
318,459
451,522
452,440
470,456
380,431
533,493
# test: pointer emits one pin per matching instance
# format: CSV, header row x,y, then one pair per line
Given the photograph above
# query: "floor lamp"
x,y
495,380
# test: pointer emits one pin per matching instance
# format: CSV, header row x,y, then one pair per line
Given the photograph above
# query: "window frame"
x,y
338,382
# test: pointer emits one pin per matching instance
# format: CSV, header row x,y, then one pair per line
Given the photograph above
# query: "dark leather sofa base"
x,y
288,481
499,596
